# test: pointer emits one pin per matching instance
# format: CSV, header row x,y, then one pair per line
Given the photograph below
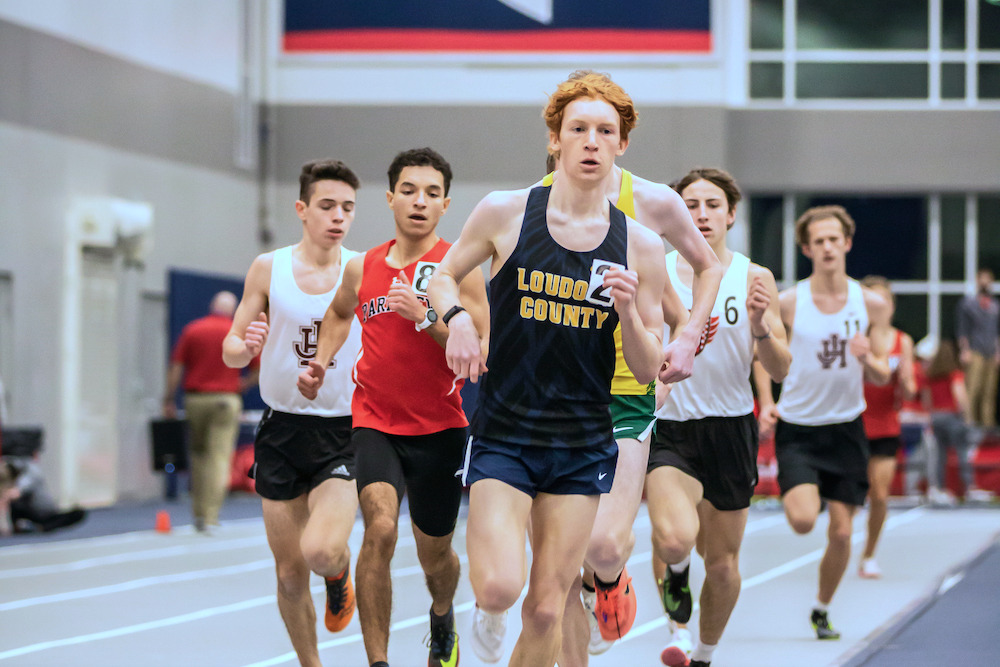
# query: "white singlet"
x,y
825,383
294,318
719,385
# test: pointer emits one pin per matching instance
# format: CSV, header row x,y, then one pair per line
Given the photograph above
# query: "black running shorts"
x,y
719,452
833,456
293,454
426,467
885,446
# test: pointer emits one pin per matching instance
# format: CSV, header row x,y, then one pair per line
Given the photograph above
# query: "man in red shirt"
x,y
409,426
212,404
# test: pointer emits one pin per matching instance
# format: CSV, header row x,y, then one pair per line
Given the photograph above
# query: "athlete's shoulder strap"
x,y
626,199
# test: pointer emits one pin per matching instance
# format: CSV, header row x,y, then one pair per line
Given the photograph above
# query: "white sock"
x,y
703,652
819,606
678,568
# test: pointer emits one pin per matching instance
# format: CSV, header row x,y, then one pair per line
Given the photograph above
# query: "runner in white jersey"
x,y
820,442
703,460
292,342
303,461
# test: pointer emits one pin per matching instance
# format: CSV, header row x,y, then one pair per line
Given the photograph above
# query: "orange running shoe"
x,y
615,608
339,601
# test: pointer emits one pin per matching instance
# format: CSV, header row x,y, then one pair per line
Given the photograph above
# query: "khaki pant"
x,y
214,422
981,384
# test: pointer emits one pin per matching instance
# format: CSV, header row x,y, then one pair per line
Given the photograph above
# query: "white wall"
x,y
203,220
195,39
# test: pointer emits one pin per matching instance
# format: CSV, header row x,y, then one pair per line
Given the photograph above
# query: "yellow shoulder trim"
x,y
626,201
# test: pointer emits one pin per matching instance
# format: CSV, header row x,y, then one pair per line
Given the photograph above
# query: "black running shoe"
x,y
677,596
821,624
443,642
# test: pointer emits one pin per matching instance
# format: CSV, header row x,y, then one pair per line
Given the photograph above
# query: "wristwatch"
x,y
429,318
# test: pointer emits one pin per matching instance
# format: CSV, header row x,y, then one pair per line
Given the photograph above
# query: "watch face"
x,y
432,315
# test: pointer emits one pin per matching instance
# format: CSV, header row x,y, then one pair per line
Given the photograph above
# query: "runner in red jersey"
x,y
423,393
882,423
409,427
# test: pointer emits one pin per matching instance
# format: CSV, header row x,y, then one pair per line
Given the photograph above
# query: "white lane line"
x,y
947,584
139,627
161,579
134,584
270,599
641,522
784,568
207,613
206,545
356,637
132,557
75,544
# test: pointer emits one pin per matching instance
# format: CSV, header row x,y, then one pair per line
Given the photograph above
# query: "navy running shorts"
x,y
586,471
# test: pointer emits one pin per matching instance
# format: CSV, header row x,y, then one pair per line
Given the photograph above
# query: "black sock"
x,y
438,620
587,587
380,663
602,584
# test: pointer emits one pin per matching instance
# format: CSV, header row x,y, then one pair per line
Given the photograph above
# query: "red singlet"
x,y
404,385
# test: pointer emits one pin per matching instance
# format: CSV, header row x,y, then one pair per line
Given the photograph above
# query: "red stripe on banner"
x,y
475,40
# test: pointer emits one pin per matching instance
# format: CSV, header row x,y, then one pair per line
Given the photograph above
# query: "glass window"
x,y
911,315
767,80
953,24
949,314
862,24
765,233
861,80
890,239
766,29
953,237
989,238
989,24
952,81
989,81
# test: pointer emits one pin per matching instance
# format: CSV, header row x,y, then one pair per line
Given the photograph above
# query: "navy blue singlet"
x,y
552,349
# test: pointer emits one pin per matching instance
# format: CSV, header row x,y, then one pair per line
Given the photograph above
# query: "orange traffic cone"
x,y
163,521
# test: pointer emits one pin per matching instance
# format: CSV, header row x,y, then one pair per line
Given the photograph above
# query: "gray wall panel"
x,y
882,151
483,144
56,86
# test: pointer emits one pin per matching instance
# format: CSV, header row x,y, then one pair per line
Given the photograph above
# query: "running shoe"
x,y
677,596
615,607
869,569
597,644
699,663
821,624
339,601
677,652
443,641
488,631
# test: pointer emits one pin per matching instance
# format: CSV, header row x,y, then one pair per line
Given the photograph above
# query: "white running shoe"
x,y
940,498
678,652
869,569
488,631
598,644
